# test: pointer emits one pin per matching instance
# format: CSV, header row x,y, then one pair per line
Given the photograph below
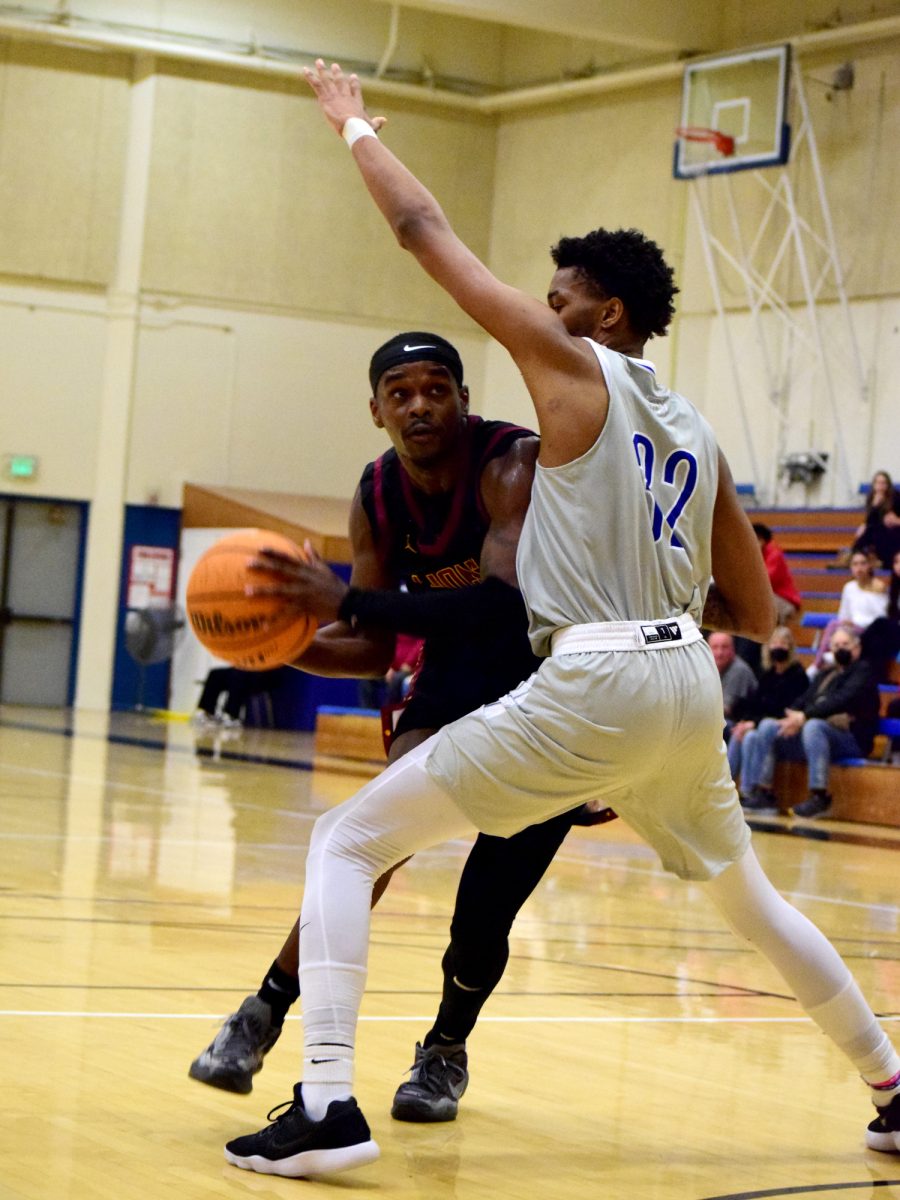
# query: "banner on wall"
x,y
151,577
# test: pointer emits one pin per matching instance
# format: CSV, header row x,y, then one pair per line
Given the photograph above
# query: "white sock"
x,y
869,1049
327,1076
317,1097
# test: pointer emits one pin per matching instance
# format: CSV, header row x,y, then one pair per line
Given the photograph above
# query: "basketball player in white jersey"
x,y
633,510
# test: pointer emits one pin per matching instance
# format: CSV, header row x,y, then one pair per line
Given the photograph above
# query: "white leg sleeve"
x,y
395,815
807,961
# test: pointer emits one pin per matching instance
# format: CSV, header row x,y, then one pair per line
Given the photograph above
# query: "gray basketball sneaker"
x,y
237,1051
438,1078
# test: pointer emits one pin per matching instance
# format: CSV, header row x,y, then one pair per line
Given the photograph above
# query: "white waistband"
x,y
625,635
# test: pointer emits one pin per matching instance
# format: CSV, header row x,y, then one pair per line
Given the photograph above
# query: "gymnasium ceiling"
x,y
485,54
606,27
602,36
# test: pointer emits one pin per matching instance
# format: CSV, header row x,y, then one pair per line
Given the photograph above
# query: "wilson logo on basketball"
x,y
252,631
218,625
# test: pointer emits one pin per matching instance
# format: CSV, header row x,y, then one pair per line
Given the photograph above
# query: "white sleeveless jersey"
x,y
623,532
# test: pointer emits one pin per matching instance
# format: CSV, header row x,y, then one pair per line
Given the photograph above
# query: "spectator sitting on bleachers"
x,y
881,641
788,601
836,717
881,646
782,681
737,679
864,598
880,531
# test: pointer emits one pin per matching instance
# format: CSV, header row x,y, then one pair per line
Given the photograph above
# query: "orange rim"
x,y
723,142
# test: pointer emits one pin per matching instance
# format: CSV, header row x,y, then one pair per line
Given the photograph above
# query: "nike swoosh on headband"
x,y
407,349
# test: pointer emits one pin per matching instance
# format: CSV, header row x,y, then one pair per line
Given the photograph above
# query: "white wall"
x,y
274,401
869,429
52,348
268,277
227,397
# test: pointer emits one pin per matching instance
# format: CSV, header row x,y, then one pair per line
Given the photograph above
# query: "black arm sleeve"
x,y
491,603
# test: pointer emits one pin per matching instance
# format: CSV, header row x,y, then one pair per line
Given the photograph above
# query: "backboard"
x,y
742,96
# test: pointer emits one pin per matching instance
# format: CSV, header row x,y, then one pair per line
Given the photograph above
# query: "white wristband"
x,y
356,128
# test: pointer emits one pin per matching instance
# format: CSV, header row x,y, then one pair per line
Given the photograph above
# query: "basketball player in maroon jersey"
x,y
439,513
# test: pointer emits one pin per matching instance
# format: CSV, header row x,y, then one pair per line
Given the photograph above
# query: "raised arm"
x,y
740,600
554,365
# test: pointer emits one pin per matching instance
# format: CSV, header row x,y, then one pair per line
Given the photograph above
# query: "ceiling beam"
x,y
664,26
103,38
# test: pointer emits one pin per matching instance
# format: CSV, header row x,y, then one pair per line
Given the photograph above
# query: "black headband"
x,y
415,347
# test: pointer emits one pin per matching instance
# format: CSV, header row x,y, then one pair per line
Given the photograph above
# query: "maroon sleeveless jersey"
x,y
434,541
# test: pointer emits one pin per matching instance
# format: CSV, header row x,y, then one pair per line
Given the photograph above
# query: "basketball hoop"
x,y
723,142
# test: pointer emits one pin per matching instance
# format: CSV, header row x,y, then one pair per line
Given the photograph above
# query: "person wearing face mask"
x,y
788,600
836,717
864,599
783,679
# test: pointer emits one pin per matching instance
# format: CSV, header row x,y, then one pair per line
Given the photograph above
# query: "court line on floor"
x,y
531,1020
806,1189
554,994
588,859
191,796
204,750
218,753
462,845
385,914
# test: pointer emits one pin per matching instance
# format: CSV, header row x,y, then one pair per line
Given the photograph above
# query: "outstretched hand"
x,y
312,587
339,95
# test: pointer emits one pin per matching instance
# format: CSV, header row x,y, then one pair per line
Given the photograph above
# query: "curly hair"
x,y
626,264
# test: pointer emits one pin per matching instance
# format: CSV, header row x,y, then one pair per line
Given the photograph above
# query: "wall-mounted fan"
x,y
151,635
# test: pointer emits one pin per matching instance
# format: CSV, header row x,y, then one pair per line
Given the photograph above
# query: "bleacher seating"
x,y
866,790
812,539
349,738
868,793
816,620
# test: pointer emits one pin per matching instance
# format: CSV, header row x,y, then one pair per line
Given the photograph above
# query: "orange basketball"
x,y
254,633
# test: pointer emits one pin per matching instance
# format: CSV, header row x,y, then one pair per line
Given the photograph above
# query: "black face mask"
x,y
779,654
843,658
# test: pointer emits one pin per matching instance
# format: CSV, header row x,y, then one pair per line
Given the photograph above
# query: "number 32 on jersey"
x,y
679,474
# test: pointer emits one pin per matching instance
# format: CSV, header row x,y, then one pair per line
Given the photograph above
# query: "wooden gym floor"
x,y
634,1050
